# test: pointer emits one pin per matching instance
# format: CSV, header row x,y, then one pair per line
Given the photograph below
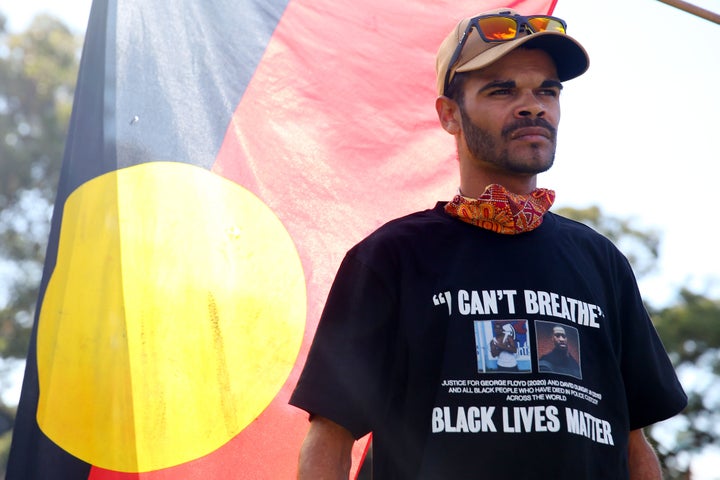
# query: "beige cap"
x,y
571,59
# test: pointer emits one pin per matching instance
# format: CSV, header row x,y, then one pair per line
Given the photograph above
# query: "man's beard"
x,y
483,146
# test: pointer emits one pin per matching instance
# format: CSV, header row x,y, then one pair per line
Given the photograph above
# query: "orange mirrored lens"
x,y
498,28
540,24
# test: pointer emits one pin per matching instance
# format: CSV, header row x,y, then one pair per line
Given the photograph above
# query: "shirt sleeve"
x,y
652,388
346,372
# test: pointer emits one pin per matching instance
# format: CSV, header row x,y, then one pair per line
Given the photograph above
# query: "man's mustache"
x,y
529,122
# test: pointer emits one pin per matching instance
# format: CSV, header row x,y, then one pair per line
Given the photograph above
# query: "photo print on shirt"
x,y
558,348
502,346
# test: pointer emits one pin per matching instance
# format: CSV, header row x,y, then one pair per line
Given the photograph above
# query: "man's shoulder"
x,y
412,224
549,356
573,226
406,235
574,229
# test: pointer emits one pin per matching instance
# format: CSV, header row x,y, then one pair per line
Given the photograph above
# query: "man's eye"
x,y
501,91
550,92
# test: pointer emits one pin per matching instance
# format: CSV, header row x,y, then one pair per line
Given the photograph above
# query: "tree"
x,y
38,69
690,330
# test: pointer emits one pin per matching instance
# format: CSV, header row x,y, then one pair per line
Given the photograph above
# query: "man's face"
x,y
560,338
510,114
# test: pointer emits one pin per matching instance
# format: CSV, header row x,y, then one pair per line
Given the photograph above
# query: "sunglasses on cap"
x,y
502,28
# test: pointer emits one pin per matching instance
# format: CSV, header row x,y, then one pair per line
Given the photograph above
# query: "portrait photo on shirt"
x,y
558,348
502,346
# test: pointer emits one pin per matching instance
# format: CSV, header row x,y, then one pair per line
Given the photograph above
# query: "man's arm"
x,y
494,348
326,451
643,461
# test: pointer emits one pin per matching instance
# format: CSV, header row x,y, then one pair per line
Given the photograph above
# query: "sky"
x,y
638,136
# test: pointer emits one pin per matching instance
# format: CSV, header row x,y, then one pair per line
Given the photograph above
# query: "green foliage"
x,y
38,69
37,77
690,330
7,416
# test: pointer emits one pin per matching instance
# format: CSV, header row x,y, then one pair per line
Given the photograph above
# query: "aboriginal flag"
x,y
222,156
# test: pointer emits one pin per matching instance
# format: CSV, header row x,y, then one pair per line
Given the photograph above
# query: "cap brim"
x,y
571,59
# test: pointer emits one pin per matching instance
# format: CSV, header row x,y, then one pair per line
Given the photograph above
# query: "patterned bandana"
x,y
502,211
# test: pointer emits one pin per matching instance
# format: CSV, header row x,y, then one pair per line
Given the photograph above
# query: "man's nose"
x,y
529,105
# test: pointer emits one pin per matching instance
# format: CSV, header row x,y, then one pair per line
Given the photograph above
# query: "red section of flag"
x,y
337,133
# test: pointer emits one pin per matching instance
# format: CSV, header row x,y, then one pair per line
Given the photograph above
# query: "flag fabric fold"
x,y
222,156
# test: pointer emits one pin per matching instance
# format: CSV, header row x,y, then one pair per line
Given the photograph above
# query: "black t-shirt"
x,y
403,350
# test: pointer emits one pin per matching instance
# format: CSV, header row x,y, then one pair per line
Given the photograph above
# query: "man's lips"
x,y
529,133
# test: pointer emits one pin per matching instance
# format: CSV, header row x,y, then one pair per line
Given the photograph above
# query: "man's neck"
x,y
474,180
519,186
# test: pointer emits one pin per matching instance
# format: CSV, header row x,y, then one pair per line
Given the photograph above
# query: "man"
x,y
390,358
559,360
504,348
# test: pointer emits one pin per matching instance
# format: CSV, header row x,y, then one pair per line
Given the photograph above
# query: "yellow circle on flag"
x,y
173,317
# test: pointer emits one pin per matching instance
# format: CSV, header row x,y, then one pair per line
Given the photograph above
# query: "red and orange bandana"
x,y
502,211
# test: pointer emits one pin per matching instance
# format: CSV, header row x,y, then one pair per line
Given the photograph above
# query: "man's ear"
x,y
449,114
